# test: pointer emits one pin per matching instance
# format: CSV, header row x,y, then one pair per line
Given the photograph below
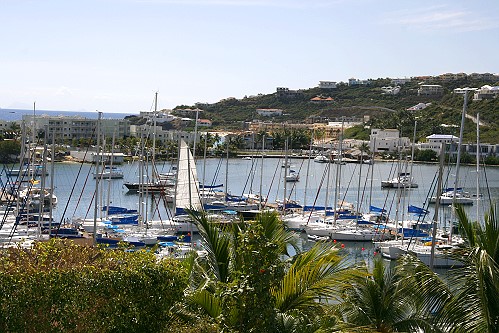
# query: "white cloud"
x,y
64,91
251,3
442,18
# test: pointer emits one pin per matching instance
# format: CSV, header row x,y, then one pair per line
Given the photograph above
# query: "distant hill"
x,y
384,111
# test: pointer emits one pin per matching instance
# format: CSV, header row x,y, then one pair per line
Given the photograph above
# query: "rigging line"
x,y
324,173
294,186
74,183
348,185
248,178
272,182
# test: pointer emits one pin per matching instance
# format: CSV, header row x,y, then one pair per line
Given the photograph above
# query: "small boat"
x,y
449,197
34,170
403,180
321,159
292,176
247,158
316,238
110,173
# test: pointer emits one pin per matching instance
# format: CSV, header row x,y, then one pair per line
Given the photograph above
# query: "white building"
x,y
390,90
158,116
430,90
204,122
419,106
387,140
269,112
400,81
486,92
357,82
462,91
435,141
327,85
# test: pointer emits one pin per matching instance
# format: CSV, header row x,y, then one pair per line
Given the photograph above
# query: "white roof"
x,y
442,136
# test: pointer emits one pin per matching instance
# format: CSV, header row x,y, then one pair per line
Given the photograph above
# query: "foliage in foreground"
x,y
62,287
248,282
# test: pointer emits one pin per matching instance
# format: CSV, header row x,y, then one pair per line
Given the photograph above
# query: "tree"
x,y
9,151
425,155
58,286
248,283
380,301
466,299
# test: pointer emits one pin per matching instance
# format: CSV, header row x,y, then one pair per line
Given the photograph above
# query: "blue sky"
x,y
113,55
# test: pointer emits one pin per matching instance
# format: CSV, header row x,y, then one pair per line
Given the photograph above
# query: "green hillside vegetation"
x,y
442,116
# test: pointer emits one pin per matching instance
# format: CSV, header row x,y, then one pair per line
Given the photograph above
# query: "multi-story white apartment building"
x,y
64,128
158,116
269,112
430,90
327,85
387,140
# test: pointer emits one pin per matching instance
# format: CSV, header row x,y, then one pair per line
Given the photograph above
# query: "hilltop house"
x,y
321,100
486,92
269,112
327,85
387,140
430,90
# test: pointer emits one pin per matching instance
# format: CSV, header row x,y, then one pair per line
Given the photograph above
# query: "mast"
x,y
41,207
437,203
227,170
52,167
261,172
308,171
461,130
477,163
96,193
338,171
285,174
203,198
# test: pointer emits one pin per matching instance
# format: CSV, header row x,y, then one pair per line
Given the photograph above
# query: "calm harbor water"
x,y
75,187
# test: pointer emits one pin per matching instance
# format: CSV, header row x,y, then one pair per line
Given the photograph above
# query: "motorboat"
x,y
403,180
292,176
110,173
321,159
450,197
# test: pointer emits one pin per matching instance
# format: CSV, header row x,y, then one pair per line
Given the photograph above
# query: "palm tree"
x,y
467,299
381,303
249,283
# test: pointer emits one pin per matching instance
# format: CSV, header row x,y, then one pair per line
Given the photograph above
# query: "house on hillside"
x,y
357,82
419,106
486,92
390,90
430,90
269,112
321,100
287,93
387,140
327,85
204,122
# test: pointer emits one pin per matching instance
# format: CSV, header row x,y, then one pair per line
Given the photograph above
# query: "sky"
x,y
114,55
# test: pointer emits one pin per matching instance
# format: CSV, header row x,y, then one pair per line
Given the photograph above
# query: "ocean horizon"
x,y
17,114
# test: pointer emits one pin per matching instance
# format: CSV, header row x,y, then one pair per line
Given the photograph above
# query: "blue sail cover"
x,y
211,186
235,198
416,210
309,208
376,209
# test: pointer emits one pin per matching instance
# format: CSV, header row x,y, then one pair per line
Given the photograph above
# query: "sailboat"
x,y
187,194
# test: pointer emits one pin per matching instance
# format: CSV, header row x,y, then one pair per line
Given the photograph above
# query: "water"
x,y
74,187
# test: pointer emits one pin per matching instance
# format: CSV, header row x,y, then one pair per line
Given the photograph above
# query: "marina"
x,y
74,186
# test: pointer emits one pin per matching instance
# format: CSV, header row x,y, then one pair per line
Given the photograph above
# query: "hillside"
x,y
442,116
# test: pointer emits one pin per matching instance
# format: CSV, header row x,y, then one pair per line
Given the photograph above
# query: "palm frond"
x,y
216,243
318,274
